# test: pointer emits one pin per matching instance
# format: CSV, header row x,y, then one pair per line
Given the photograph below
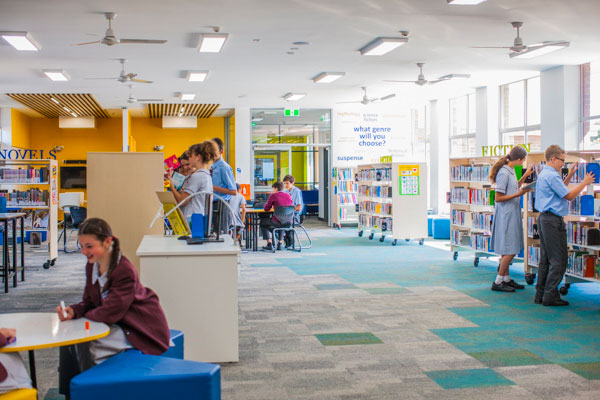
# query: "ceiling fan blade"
x,y
389,96
490,47
140,80
348,102
99,78
86,43
142,41
437,81
387,80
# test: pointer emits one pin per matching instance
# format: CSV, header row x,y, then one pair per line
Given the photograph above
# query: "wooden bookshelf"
x,y
344,197
14,177
530,217
392,200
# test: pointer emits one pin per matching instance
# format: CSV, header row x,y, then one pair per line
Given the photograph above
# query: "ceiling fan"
x,y
518,48
110,39
125,77
365,100
132,99
422,81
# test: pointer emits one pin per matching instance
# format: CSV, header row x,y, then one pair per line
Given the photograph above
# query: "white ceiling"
x,y
257,74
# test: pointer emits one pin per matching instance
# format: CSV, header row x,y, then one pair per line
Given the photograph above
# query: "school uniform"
x,y
550,191
507,227
13,374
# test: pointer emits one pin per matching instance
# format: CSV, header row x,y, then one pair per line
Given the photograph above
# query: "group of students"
x,y
206,171
114,295
552,196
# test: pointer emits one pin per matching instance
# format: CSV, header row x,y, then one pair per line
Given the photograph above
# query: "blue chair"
x,y
311,200
430,219
441,228
133,375
177,350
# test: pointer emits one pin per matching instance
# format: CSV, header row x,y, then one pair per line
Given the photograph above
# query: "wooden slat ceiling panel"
x,y
189,110
82,104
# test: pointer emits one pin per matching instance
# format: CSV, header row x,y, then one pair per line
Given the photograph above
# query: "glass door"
x,y
270,164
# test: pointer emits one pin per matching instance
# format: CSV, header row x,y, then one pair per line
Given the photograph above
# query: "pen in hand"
x,y
64,310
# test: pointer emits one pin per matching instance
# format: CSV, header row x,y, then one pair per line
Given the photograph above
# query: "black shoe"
x,y
557,302
268,247
514,284
279,246
537,300
503,287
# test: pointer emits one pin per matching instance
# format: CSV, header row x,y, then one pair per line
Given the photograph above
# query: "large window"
x,y
590,107
463,125
520,113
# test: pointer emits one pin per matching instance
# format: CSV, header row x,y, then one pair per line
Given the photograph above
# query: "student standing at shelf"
x,y
223,183
507,227
552,198
200,157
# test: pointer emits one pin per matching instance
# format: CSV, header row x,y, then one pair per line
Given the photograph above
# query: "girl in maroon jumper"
x,y
114,295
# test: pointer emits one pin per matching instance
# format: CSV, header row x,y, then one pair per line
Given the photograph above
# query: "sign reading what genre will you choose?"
x,y
25,154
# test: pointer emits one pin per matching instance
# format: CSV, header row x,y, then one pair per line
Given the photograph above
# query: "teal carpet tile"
x,y
468,378
508,358
586,370
347,339
387,290
335,286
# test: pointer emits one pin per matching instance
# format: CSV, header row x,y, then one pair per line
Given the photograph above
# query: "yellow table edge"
x,y
56,344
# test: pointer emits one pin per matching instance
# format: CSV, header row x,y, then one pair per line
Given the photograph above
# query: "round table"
x,y
45,330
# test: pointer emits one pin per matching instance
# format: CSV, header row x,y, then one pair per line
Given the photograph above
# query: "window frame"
x,y
469,134
582,118
525,128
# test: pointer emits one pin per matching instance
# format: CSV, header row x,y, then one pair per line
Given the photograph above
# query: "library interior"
x,y
379,199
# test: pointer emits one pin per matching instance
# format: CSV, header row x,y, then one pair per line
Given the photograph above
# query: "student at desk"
x,y
13,374
276,199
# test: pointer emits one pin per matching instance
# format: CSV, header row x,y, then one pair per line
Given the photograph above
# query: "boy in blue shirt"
x,y
552,198
223,186
296,194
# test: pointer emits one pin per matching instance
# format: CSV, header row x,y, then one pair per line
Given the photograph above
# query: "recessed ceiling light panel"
x,y
21,41
187,96
56,75
212,42
381,46
293,96
465,2
328,77
197,76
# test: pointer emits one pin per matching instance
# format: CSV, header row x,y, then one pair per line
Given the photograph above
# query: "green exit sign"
x,y
291,112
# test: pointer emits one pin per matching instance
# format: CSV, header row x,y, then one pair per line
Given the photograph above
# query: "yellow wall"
x,y
20,127
148,132
232,144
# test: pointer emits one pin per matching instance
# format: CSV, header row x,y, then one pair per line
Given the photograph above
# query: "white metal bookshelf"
x,y
343,197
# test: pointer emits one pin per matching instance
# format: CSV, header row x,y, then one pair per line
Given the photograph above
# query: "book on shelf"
x,y
24,175
26,198
347,198
375,174
460,237
370,221
344,187
375,207
532,228
484,221
342,174
481,241
533,255
466,173
483,197
583,264
583,233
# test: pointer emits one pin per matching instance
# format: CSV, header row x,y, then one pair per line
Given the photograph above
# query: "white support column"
x,y
434,156
243,146
125,118
560,107
5,127
486,99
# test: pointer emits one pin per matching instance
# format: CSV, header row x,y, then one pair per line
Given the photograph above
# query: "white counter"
x,y
197,287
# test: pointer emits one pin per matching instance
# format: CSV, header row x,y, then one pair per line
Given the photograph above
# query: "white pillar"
x,y
5,127
486,99
243,146
560,106
125,118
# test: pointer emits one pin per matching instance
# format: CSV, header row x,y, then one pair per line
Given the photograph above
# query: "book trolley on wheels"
x,y
582,223
392,201
343,197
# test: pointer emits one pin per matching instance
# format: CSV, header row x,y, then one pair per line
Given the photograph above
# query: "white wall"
x,y
487,134
440,169
5,128
243,146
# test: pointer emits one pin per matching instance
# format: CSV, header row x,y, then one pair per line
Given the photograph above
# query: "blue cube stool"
x,y
133,375
177,350
441,228
430,219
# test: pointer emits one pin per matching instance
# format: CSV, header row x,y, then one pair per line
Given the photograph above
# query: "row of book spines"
x,y
580,233
473,196
375,191
470,172
583,264
478,220
478,241
346,186
11,175
369,221
32,196
375,174
347,198
374,207
343,174
345,213
533,255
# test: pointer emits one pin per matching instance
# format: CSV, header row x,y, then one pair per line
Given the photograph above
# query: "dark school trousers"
x,y
553,256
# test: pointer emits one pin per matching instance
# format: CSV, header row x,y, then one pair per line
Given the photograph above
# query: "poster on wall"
x,y
362,134
410,184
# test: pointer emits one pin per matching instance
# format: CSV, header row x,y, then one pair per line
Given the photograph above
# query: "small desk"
x,y
8,271
45,330
252,223
198,290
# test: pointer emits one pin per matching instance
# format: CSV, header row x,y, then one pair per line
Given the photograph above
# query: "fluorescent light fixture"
x,y
257,119
212,42
57,75
66,109
197,76
381,46
54,100
294,96
74,115
181,111
540,49
187,96
465,2
328,77
21,41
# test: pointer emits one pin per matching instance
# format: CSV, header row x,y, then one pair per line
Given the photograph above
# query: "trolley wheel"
x,y
408,240
476,262
52,262
563,290
455,256
46,265
421,241
360,233
394,242
382,238
529,278
371,236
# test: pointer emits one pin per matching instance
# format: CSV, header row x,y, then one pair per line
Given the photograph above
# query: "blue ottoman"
x,y
441,228
177,350
430,219
133,375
